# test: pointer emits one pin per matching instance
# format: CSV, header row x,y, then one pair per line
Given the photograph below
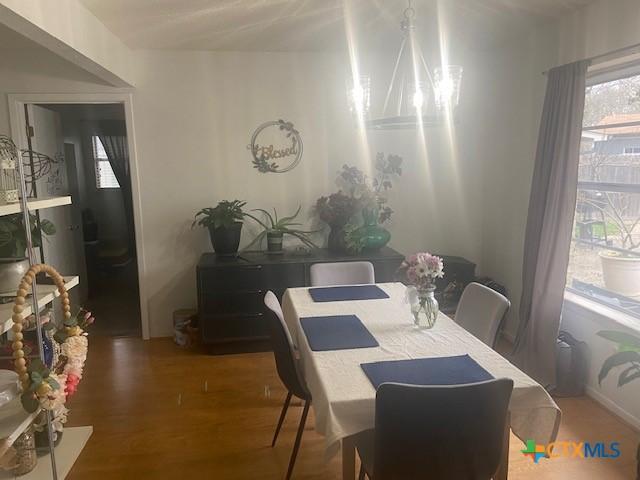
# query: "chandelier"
x,y
415,96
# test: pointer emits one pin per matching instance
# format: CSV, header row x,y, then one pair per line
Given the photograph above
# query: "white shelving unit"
x,y
46,294
14,420
35,204
73,441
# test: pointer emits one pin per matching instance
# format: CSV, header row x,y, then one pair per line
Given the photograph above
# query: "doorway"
x,y
95,235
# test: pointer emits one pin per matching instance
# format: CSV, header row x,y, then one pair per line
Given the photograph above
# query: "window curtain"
x,y
112,134
550,221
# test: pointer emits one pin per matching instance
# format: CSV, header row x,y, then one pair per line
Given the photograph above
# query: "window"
x,y
105,178
605,251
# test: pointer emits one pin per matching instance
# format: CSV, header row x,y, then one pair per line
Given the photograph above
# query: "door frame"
x,y
17,121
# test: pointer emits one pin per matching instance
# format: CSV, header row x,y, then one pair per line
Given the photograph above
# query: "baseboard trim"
x,y
613,407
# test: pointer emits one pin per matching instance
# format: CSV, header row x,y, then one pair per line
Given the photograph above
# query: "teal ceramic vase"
x,y
372,236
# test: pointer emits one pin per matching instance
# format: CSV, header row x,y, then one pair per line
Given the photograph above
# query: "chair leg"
x,y
362,474
283,413
296,445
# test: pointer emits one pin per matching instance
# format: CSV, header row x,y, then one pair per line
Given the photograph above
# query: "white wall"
x,y
67,28
507,152
192,132
599,28
194,113
584,322
508,156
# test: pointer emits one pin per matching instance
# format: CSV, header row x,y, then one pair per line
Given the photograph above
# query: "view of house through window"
x,y
605,250
105,178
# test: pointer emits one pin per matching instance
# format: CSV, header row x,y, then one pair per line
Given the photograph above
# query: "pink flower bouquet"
x,y
421,270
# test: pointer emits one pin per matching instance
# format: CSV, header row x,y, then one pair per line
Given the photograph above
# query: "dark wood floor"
x,y
152,418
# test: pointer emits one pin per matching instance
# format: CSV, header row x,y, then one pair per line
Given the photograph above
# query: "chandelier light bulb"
x,y
418,99
359,95
447,85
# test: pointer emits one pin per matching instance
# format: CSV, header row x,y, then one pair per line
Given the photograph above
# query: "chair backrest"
x,y
481,311
284,349
440,432
342,273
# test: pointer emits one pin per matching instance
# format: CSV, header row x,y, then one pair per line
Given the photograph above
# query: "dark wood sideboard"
x,y
231,311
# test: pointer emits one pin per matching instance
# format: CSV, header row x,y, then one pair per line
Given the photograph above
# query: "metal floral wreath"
x,y
263,155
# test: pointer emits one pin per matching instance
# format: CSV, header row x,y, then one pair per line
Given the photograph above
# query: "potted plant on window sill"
x,y
621,272
615,216
628,355
224,222
275,229
13,244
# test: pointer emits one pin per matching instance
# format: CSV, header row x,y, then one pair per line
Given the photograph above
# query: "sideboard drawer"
x,y
222,279
232,302
252,277
221,328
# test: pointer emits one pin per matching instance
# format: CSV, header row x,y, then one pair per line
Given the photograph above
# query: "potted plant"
x,y
224,222
336,210
371,200
275,229
13,243
614,215
628,355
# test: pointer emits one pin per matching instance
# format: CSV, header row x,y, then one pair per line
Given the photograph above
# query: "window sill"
x,y
600,312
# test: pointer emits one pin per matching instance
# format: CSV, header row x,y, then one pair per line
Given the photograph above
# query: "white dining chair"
x,y
481,311
342,273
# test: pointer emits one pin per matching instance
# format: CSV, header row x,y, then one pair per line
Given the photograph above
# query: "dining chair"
x,y
481,311
436,432
342,273
284,352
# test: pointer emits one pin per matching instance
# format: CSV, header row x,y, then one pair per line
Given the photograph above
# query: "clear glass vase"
x,y
425,309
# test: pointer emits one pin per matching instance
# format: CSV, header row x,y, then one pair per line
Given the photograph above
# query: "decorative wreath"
x,y
49,387
261,162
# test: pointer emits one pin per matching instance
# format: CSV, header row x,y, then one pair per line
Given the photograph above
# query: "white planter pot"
x,y
621,274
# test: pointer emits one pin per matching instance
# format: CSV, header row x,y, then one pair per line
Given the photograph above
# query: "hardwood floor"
x,y
153,419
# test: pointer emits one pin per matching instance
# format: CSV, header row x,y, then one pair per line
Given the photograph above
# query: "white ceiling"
x,y
301,25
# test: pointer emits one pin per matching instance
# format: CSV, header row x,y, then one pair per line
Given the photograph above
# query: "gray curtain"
x,y
550,221
113,137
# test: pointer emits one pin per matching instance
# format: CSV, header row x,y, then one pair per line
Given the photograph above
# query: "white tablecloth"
x,y
343,397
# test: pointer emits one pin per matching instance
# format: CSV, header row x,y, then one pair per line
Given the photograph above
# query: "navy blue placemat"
x,y
337,332
351,292
427,371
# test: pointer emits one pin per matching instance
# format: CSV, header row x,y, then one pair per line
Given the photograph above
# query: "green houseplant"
x,y
224,222
13,238
13,243
362,208
628,355
275,228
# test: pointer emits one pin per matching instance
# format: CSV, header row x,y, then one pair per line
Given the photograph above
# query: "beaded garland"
x,y
20,362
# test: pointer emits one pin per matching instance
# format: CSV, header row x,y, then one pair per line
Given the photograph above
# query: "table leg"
x,y
348,459
503,468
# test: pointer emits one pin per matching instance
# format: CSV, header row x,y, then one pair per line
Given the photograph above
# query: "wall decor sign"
x,y
276,147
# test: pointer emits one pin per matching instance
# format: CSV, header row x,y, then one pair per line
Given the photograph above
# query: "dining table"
x,y
343,397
